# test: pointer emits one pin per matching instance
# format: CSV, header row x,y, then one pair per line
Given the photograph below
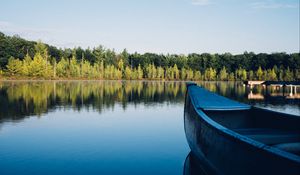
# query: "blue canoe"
x,y
233,138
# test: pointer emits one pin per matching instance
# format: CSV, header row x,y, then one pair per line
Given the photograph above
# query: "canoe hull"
x,y
225,153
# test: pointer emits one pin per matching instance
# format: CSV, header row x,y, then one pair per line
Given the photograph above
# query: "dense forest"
x,y
20,58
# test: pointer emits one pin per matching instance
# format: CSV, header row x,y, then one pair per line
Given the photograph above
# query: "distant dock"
x,y
272,83
252,83
291,86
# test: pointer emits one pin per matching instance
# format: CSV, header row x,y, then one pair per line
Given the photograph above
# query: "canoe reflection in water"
x,y
193,166
232,138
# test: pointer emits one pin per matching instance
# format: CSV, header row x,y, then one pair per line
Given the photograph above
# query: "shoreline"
x,y
86,79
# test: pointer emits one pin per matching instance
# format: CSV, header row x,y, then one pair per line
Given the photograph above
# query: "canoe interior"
x,y
271,128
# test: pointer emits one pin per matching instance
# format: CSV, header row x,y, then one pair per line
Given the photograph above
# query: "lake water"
x,y
106,127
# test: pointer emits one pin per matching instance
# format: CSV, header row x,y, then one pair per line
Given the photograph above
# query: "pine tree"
x,y
271,74
149,71
86,69
160,73
14,66
281,75
251,75
26,71
231,77
259,74
210,74
243,74
154,71
38,66
198,75
117,74
62,68
169,73
288,75
140,72
176,72
223,75
128,73
183,74
190,74
297,75
74,67
99,69
121,66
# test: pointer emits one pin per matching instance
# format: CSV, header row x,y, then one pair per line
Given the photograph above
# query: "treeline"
x,y
22,58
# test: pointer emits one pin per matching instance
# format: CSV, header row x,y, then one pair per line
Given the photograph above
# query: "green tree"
x,y
26,71
243,75
265,75
190,74
183,74
297,75
210,74
14,66
99,70
281,75
74,68
38,66
86,69
231,77
288,75
251,75
121,65
198,75
170,73
223,75
271,74
140,72
151,71
62,68
154,71
160,73
128,73
42,49
259,73
54,69
117,74
176,72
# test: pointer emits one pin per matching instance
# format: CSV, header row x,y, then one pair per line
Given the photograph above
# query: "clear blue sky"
x,y
160,26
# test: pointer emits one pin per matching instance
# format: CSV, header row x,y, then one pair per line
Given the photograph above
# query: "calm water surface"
x,y
106,127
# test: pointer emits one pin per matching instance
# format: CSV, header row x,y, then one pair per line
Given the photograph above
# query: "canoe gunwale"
x,y
229,134
222,109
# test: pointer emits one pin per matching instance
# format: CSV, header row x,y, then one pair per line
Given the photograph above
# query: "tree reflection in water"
x,y
19,99
23,98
